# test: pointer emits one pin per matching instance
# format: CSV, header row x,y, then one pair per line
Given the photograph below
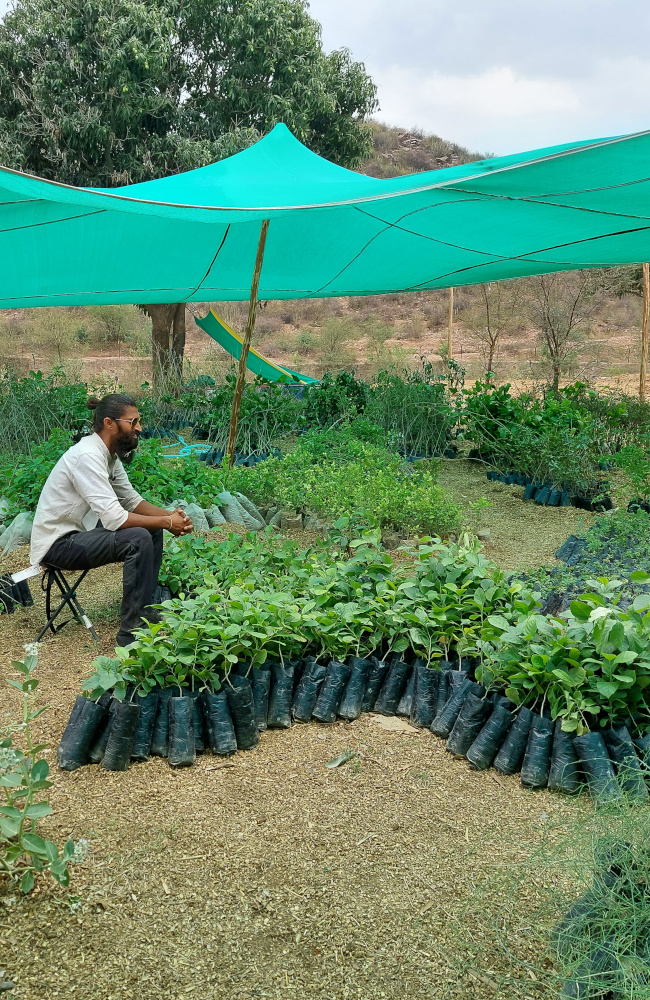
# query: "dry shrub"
x,y
621,314
412,328
334,351
307,341
315,310
266,324
436,312
55,331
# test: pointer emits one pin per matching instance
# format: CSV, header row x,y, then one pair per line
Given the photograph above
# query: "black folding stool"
x,y
68,591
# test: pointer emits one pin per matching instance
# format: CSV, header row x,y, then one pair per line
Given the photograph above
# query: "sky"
x,y
500,76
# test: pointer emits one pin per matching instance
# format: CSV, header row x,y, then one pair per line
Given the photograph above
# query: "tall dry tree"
x,y
496,314
560,304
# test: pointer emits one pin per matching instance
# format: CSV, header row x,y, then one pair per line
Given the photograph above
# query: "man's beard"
x,y
125,445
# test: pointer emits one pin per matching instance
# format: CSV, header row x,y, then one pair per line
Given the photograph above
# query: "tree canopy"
x,y
107,92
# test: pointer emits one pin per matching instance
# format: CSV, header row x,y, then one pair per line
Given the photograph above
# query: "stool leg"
x,y
76,607
69,595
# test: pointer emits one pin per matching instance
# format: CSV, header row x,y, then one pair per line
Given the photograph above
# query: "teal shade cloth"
x,y
333,232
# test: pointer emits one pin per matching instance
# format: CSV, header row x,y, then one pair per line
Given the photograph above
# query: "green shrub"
x,y
414,408
32,407
556,438
591,667
22,479
24,855
334,397
634,462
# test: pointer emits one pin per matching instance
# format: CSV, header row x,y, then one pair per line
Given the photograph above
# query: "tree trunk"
x,y
557,371
163,340
492,349
178,341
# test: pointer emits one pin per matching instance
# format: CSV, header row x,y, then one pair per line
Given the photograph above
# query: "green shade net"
x,y
193,237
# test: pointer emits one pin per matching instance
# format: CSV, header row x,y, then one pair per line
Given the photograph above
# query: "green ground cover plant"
x,y
338,474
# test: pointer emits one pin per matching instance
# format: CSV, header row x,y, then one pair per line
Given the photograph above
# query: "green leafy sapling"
x,y
24,854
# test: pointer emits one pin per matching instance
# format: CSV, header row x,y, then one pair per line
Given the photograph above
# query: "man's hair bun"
x,y
112,406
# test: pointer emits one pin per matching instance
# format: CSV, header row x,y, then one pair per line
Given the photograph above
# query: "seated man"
x,y
89,483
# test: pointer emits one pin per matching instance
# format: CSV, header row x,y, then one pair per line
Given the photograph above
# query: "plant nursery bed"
x,y
269,874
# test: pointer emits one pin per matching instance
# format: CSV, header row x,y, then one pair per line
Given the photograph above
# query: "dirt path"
x,y
523,535
268,874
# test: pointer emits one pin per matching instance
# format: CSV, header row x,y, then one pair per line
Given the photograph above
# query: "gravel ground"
x,y
268,874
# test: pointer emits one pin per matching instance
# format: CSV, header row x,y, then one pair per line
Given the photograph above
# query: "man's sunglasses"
x,y
132,423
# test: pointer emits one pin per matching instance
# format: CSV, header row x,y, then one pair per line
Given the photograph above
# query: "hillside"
x,y
396,152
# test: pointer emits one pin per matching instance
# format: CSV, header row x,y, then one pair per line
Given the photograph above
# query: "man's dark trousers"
x,y
138,548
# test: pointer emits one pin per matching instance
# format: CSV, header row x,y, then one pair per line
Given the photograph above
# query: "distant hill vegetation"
x,y
396,152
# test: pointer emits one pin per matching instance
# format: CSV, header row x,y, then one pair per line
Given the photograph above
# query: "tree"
x,y
620,281
102,93
496,315
560,304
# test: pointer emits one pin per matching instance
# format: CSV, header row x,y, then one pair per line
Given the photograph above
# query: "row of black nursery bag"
x,y
485,728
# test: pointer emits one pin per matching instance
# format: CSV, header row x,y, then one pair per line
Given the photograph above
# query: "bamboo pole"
x,y
450,331
644,332
248,336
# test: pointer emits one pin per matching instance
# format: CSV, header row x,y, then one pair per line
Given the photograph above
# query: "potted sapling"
x,y
283,645
365,627
89,719
389,624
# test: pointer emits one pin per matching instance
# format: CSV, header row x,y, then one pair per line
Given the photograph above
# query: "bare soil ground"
x,y
270,875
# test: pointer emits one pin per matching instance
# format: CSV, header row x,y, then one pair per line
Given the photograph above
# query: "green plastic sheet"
x,y
193,236
230,340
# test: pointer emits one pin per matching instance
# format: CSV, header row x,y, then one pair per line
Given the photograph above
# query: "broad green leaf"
x,y
39,810
52,851
11,780
607,688
617,634
34,844
27,882
580,610
499,621
40,770
9,826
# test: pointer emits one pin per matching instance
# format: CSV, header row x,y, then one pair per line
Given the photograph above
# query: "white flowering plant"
x,y
24,854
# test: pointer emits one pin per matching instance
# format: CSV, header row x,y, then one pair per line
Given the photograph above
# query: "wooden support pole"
x,y
248,336
450,331
644,332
